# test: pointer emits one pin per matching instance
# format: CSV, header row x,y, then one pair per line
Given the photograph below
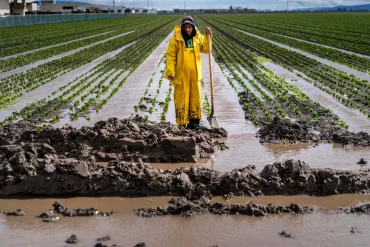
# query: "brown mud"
x,y
35,169
281,130
129,139
196,203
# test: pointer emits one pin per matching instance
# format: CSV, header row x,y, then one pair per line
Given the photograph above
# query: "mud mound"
x,y
27,171
184,207
60,209
281,131
18,212
127,139
362,209
72,239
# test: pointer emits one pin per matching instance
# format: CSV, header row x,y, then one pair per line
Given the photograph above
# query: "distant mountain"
x,y
73,2
341,7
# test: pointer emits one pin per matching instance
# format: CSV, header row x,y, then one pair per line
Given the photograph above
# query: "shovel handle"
x,y
210,71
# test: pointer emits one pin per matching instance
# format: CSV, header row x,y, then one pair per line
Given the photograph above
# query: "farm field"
x,y
287,87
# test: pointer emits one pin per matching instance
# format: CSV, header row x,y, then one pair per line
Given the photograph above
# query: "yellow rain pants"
x,y
186,66
187,95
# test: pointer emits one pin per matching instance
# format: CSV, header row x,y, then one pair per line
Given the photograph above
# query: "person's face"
x,y
188,28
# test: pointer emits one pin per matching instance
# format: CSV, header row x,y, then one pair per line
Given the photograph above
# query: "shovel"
x,y
211,119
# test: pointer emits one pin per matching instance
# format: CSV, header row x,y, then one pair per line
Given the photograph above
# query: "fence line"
x,y
29,20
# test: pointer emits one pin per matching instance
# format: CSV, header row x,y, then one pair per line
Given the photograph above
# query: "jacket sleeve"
x,y
204,44
171,55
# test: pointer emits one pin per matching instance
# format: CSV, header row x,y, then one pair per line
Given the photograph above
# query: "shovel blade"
x,y
213,122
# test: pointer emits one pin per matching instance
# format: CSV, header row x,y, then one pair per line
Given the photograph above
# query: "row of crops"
x,y
70,40
93,89
241,56
351,60
262,93
22,39
346,31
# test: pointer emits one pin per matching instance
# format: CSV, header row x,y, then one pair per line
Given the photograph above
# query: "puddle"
x,y
127,229
245,149
122,104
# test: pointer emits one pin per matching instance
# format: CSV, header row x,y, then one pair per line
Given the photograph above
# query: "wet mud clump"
x,y
362,209
141,245
285,234
50,215
18,212
184,207
127,139
355,230
283,131
24,173
105,238
72,239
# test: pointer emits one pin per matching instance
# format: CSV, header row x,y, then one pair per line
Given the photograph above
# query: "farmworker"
x,y
184,70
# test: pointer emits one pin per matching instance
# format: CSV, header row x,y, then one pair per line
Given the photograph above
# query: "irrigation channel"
x,y
70,152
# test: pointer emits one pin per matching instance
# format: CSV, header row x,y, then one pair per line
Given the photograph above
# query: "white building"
x,y
31,5
4,7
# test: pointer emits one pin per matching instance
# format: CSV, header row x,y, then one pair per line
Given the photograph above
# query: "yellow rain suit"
x,y
184,63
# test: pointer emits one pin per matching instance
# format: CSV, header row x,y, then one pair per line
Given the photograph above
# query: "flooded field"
x,y
143,93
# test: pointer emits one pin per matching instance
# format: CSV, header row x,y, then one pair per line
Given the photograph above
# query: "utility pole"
x,y
287,6
184,7
113,5
148,5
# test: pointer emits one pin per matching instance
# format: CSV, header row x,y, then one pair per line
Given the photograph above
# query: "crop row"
x,y
16,85
350,60
93,89
38,36
357,42
79,30
352,91
22,60
276,95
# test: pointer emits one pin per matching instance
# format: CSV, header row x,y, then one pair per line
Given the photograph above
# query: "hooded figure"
x,y
184,70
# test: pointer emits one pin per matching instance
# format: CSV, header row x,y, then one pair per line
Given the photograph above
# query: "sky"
x,y
222,4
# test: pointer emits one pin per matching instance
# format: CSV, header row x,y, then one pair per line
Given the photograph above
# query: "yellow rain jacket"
x,y
184,63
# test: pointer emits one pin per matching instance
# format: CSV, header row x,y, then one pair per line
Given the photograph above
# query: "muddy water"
x,y
36,64
122,104
244,146
320,229
359,74
356,120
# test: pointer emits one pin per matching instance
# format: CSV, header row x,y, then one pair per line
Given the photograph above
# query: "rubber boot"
x,y
193,124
